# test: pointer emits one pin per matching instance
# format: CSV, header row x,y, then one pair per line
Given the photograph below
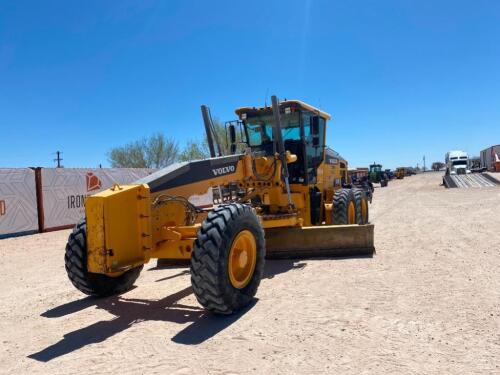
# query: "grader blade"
x,y
320,241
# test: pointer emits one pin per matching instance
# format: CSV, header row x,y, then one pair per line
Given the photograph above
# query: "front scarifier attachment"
x,y
228,259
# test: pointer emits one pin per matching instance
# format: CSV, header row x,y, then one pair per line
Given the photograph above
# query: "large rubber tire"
x,y
209,261
75,259
361,200
341,200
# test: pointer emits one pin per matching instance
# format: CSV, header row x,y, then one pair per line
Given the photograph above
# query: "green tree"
x,y
156,151
221,138
159,151
196,149
437,165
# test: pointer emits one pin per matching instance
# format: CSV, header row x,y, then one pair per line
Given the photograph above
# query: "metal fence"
x,y
42,199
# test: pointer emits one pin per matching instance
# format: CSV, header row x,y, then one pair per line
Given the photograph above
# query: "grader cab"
x,y
276,199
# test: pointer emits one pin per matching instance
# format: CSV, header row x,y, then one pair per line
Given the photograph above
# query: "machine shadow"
x,y
69,308
273,266
127,312
277,266
208,326
182,273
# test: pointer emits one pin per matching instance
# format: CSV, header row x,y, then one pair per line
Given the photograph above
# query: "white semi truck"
x,y
457,162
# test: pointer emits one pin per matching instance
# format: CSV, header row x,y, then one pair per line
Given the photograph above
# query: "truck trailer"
x,y
490,159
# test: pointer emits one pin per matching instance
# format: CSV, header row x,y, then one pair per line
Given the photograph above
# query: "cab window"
x,y
314,154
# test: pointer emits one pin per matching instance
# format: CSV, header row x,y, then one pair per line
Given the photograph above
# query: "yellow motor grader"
x,y
275,199
400,173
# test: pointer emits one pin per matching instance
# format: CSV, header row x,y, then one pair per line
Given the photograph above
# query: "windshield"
x,y
260,128
460,162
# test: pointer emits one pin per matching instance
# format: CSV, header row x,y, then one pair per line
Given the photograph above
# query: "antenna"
x,y
265,97
58,159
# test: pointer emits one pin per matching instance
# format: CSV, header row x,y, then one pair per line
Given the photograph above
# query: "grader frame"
x,y
126,226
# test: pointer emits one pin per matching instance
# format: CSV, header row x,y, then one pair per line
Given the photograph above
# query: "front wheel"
x,y
227,263
75,259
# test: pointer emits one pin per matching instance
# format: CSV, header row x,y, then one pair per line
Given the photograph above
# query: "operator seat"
x,y
296,169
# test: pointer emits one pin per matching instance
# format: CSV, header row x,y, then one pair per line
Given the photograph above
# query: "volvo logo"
x,y
223,170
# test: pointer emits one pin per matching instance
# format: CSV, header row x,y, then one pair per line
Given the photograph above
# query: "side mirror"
x,y
232,138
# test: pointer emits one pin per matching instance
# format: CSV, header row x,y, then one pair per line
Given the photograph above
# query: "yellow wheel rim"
x,y
242,259
351,213
364,210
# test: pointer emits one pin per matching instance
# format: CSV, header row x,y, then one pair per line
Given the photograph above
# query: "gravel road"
x,y
428,302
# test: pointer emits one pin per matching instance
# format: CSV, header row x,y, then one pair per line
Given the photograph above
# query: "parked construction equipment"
x,y
378,175
400,173
339,167
278,196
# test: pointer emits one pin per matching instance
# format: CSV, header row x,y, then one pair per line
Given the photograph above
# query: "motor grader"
x,y
277,198
400,173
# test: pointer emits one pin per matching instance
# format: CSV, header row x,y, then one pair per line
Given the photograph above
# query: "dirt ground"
x,y
427,302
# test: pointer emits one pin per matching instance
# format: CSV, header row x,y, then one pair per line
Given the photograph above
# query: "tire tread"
x,y
75,262
209,259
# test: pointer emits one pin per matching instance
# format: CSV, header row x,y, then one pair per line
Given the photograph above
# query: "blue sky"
x,y
402,79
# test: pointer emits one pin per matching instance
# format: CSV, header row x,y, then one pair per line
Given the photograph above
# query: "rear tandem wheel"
x,y
362,210
344,208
